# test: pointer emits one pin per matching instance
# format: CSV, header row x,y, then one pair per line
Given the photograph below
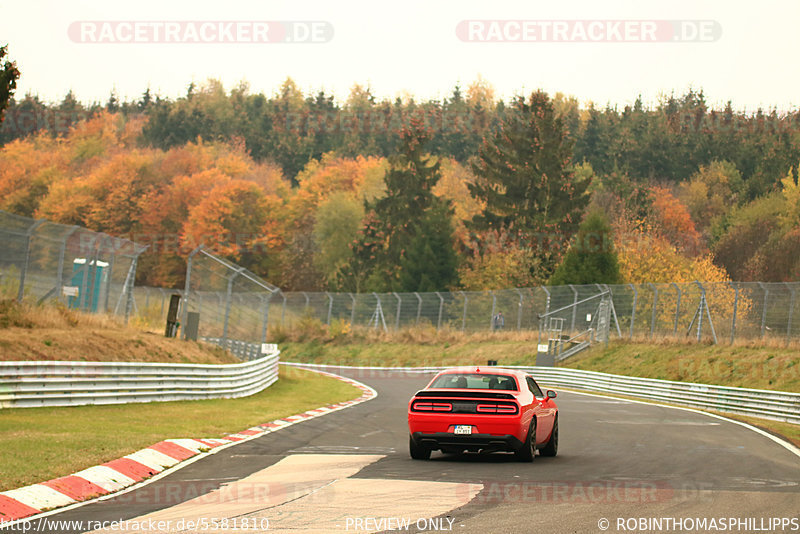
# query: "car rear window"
x,y
475,381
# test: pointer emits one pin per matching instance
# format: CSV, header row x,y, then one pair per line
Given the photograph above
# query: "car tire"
x,y
418,452
528,452
551,449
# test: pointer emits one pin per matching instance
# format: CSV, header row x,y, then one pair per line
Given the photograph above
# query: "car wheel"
x,y
418,452
551,449
528,450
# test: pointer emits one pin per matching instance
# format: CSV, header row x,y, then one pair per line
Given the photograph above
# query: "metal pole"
x,y
266,318
353,310
130,281
791,311
228,295
441,306
419,305
305,308
464,315
23,272
93,276
494,310
735,308
283,309
519,309
110,274
574,308
613,309
677,308
764,309
700,310
547,301
62,253
633,308
330,307
397,315
655,306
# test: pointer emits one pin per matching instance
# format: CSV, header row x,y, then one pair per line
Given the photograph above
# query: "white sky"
x,y
412,46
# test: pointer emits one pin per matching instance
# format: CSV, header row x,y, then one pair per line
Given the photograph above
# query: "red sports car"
x,y
484,409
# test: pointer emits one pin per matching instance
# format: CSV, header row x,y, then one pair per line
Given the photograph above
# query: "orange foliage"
x,y
674,221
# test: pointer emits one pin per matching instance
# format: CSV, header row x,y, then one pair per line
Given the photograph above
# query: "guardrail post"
x,y
419,305
633,308
519,309
735,308
441,306
677,308
330,307
574,309
397,316
655,307
791,312
764,308
464,314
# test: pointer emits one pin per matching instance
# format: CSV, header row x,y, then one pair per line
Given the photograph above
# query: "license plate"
x,y
462,429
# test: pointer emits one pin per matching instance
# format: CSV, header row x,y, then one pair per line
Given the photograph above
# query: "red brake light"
x,y
432,407
496,408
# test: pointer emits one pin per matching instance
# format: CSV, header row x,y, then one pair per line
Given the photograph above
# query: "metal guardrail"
x,y
31,384
765,404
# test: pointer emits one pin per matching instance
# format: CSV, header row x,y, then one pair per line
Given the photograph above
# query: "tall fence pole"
x,y
61,256
735,309
353,310
574,308
655,308
265,322
397,315
519,309
419,306
186,287
791,312
464,314
633,308
24,270
228,299
677,308
441,306
764,309
330,308
494,310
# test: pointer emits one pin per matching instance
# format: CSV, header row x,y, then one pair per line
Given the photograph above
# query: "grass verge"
x,y
54,332
38,444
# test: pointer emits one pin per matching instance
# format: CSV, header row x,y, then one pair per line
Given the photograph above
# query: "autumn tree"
x,y
591,258
673,221
8,80
711,192
525,178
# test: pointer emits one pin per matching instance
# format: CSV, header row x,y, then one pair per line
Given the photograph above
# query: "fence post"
x,y
110,275
228,295
419,306
266,318
464,315
735,309
130,282
633,308
519,309
655,307
791,311
574,309
330,307
677,308
494,310
283,309
397,316
186,287
441,306
547,300
61,255
24,270
764,308
353,311
93,273
305,308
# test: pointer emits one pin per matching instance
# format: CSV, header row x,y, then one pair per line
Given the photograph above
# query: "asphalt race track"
x,y
619,463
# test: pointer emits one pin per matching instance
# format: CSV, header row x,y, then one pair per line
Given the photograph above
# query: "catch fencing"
x,y
719,312
765,404
41,261
32,384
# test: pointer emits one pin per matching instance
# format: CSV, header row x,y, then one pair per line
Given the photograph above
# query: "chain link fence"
x,y
705,312
41,261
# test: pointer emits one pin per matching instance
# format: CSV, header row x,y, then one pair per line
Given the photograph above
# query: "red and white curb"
x,y
23,503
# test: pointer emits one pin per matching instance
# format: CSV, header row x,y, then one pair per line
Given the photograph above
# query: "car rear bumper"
x,y
470,442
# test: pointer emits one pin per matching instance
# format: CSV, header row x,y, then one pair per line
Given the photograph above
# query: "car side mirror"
x,y
551,394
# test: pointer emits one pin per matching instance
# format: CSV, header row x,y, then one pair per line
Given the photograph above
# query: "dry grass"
x,y
54,332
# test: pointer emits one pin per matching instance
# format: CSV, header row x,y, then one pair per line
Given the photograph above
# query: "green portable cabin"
x,y
92,283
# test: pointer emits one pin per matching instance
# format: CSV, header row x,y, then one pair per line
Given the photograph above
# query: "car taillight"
x,y
433,406
496,408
